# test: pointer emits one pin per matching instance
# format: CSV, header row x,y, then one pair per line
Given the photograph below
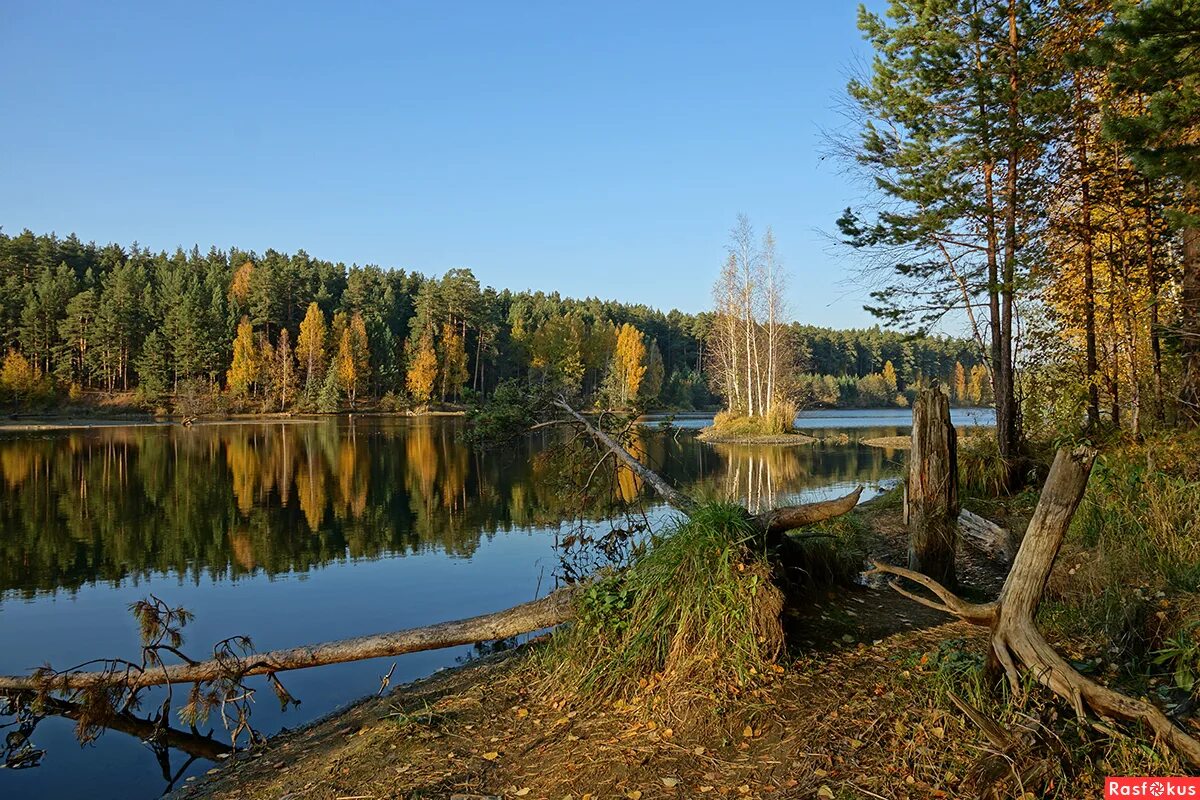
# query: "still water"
x,y
309,530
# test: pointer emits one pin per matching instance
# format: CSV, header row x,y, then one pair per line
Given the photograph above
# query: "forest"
x,y
1009,611
1034,167
233,330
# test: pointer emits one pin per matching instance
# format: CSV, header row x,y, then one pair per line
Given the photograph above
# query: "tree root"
x,y
1016,642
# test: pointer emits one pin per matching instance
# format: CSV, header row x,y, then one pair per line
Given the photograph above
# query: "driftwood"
x,y
1016,642
989,537
551,610
931,491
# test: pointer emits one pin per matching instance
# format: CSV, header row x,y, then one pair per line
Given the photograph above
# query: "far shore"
x,y
23,423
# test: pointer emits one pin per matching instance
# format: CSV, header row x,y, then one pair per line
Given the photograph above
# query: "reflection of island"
x,y
104,504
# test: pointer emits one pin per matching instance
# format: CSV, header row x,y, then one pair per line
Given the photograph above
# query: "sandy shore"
x,y
780,439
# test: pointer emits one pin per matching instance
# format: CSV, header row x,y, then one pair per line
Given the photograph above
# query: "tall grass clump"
x,y
780,421
981,471
1142,512
695,615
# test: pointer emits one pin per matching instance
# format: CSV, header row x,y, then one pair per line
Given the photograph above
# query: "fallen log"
x,y
994,540
787,518
1016,642
675,498
551,610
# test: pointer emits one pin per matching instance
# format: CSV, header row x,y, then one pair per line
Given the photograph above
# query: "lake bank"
x,y
54,422
289,533
501,728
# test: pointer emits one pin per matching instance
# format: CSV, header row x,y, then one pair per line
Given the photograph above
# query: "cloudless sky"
x,y
600,148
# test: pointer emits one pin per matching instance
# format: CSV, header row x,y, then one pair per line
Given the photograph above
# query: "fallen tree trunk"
x,y
994,540
1016,641
551,610
675,498
788,518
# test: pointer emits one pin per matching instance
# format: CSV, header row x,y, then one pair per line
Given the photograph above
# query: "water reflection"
x,y
230,500
310,530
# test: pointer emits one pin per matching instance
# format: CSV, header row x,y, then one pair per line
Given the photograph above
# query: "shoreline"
x,y
34,423
780,439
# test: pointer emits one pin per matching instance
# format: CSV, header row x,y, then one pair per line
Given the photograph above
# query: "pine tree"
x,y
1150,51
153,367
953,112
454,362
329,400
75,332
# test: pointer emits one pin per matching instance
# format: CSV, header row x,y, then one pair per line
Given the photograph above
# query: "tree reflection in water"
x,y
230,499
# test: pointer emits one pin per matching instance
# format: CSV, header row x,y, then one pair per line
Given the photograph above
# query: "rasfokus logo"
x,y
1151,787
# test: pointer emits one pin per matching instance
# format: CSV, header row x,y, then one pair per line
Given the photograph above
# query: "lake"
x,y
302,531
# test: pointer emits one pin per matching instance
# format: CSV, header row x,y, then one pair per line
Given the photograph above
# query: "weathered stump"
x,y
931,496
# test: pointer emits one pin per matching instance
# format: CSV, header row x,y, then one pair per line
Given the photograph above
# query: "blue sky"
x,y
597,149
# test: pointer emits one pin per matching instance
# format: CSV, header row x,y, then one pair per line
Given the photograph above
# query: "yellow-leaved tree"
x,y
629,364
890,382
422,370
243,372
353,358
961,393
310,347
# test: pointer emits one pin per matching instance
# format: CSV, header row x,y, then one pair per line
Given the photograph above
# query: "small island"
x,y
775,428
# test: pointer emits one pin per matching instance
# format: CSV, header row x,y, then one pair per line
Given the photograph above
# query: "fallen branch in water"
x,y
547,612
773,523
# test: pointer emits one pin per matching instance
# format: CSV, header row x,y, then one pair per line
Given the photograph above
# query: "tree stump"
x,y
931,508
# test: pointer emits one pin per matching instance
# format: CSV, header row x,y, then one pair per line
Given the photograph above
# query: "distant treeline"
x,y
274,331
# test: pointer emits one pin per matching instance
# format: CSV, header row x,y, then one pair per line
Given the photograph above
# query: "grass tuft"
x,y
695,616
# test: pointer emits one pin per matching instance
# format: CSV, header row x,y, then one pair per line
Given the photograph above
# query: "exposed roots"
x,y
1016,642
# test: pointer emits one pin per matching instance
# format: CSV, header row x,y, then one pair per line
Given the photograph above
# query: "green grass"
x,y
695,612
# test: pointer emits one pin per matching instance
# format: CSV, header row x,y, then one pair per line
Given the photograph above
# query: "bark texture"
x,y
989,537
932,488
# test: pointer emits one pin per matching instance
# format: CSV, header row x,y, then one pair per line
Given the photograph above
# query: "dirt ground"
x,y
853,712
